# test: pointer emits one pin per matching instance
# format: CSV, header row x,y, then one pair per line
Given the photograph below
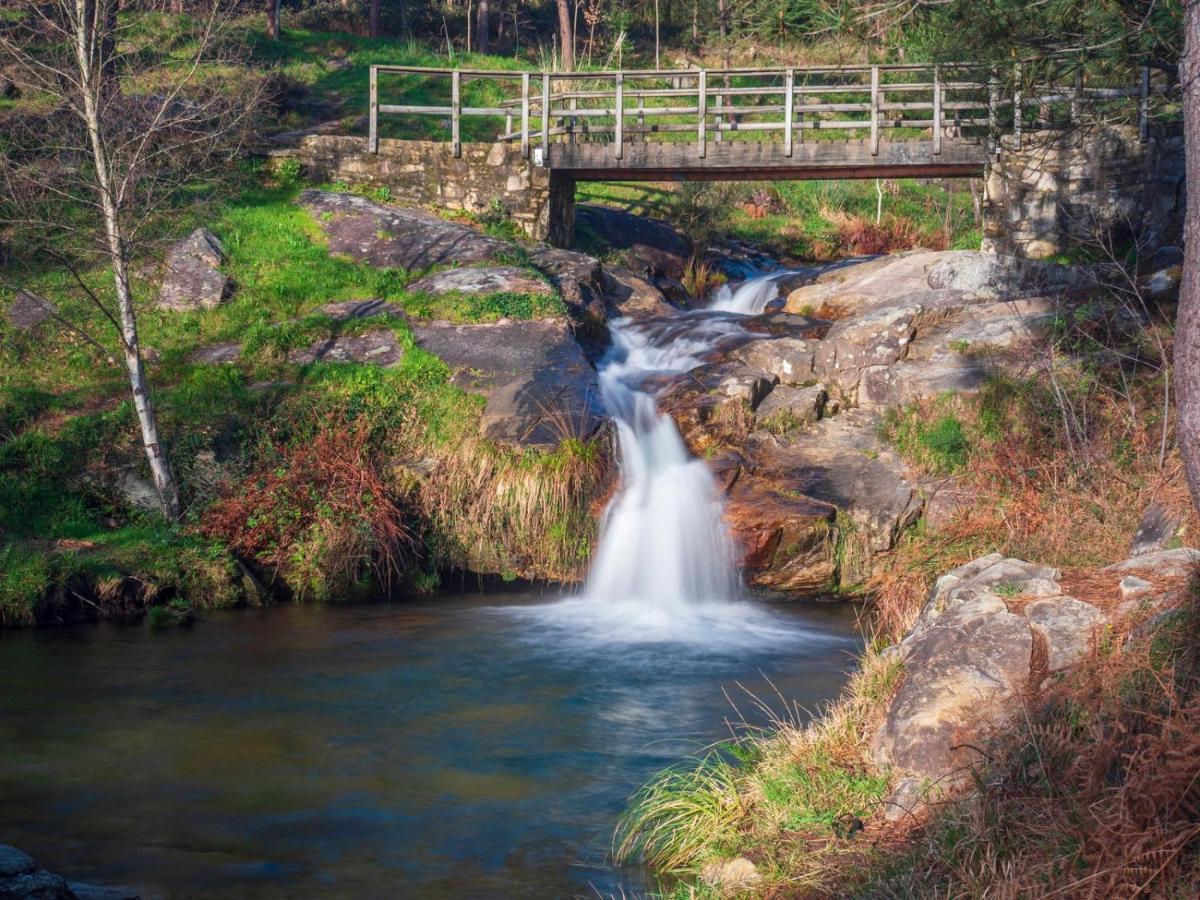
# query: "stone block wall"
x,y
1058,192
426,173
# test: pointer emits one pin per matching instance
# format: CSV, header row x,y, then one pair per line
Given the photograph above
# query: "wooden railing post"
x,y
620,110
1144,106
702,113
789,94
456,112
874,110
937,110
525,115
373,113
993,113
1018,116
545,119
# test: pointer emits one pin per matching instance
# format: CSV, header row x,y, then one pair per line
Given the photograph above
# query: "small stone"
x,y
1132,586
1069,627
217,354
731,876
191,280
1155,529
360,309
28,310
1177,563
906,799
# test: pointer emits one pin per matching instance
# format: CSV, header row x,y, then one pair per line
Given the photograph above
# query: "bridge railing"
x,y
784,105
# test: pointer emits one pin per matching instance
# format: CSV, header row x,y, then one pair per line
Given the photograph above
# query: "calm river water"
x,y
460,747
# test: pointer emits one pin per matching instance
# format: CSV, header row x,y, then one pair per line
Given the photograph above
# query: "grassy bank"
x,y
267,451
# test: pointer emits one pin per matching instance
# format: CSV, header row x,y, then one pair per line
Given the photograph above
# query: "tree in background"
x,y
1187,329
125,128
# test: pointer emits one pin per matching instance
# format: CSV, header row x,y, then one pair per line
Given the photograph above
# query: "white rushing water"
x,y
665,566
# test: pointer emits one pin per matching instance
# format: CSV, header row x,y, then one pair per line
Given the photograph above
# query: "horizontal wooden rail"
x,y
962,100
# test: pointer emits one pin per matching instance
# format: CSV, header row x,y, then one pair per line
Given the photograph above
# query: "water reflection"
x,y
460,748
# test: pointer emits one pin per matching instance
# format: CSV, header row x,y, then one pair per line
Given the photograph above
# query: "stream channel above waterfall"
x,y
467,745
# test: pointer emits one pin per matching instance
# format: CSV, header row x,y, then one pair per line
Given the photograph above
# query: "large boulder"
x,y
650,246
191,279
627,295
580,280
397,238
963,676
482,280
540,388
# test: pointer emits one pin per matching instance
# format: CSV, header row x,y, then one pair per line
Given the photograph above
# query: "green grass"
x,y
800,224
936,442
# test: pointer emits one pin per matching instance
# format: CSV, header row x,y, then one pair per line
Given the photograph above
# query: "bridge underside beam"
x,y
746,160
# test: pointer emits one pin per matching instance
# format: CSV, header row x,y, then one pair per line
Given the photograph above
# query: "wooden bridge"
x,y
863,121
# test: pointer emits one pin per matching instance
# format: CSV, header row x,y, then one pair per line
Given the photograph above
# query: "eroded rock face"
x,y
540,388
482,280
630,296
650,245
784,540
396,238
191,279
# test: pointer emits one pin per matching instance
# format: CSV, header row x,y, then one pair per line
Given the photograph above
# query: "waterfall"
x,y
750,297
663,542
665,566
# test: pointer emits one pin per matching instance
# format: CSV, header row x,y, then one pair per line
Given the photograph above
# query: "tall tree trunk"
x,y
373,19
273,19
1187,330
566,38
482,27
91,91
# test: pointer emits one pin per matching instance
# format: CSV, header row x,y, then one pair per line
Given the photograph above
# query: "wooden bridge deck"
x,y
757,161
863,121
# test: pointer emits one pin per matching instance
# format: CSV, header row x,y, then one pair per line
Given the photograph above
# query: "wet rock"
x,y
540,388
842,462
15,862
484,280
191,279
378,347
28,310
394,237
1070,628
784,539
714,404
35,886
731,876
788,407
649,245
630,296
963,677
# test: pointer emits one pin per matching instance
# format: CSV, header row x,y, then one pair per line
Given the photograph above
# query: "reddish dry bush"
x,y
319,514
859,236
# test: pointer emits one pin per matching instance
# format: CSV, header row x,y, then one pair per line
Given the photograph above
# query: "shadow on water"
x,y
464,747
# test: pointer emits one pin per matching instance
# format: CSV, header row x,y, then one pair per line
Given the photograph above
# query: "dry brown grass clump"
x,y
1097,795
319,512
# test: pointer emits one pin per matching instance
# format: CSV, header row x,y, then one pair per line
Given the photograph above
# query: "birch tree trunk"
x,y
1187,331
87,56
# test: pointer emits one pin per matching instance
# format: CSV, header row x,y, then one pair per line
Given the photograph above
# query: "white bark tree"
x,y
115,149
